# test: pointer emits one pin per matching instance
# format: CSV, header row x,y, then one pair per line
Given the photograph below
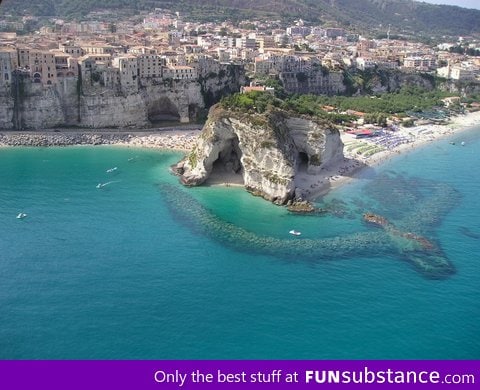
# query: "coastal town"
x,y
124,55
118,78
248,182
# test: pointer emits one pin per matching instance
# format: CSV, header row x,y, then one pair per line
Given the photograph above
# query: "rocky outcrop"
x,y
218,80
462,88
83,102
39,107
267,149
422,242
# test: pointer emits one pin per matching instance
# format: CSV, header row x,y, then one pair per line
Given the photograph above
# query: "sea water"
x,y
130,271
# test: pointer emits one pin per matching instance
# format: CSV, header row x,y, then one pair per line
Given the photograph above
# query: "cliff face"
x,y
462,88
38,107
267,150
89,103
218,80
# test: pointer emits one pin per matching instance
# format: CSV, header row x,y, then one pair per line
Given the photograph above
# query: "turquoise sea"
x,y
143,268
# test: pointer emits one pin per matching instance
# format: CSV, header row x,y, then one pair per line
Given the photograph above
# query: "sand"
x,y
179,140
315,186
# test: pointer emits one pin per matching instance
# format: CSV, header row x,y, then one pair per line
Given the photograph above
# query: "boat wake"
x,y
101,185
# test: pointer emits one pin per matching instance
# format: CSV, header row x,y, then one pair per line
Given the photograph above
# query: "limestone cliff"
x,y
43,107
85,102
268,150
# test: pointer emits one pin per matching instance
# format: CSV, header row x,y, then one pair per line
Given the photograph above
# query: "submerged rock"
x,y
302,207
375,219
430,262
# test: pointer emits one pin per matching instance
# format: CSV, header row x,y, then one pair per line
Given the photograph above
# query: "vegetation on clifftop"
x,y
261,102
377,108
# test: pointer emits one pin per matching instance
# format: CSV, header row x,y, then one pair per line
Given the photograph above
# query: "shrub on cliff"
x,y
255,101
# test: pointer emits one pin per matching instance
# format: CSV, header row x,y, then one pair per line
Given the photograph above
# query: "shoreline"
x,y
177,139
353,164
359,154
313,187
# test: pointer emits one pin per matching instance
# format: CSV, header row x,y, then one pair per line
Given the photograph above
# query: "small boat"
x,y
463,143
452,143
101,185
21,215
295,233
112,169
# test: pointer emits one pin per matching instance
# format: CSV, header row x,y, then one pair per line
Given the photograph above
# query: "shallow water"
x,y
145,269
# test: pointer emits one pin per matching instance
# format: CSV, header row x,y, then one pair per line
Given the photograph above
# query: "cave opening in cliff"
x,y
302,162
161,110
227,168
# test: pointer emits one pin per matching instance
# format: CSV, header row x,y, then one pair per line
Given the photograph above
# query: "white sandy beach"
x,y
317,185
180,140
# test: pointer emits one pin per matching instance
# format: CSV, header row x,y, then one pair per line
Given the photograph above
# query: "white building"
x,y
459,72
365,63
178,72
420,63
462,73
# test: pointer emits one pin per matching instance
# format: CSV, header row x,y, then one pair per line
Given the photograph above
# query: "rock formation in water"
x,y
378,220
432,263
268,150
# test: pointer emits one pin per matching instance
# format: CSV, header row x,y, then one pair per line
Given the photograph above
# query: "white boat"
x,y
112,169
463,143
101,185
21,215
295,233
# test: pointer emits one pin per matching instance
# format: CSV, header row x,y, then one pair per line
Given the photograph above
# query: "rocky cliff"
x,y
266,150
90,103
377,81
33,106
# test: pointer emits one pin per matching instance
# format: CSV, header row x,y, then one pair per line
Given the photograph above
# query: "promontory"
x,y
268,149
